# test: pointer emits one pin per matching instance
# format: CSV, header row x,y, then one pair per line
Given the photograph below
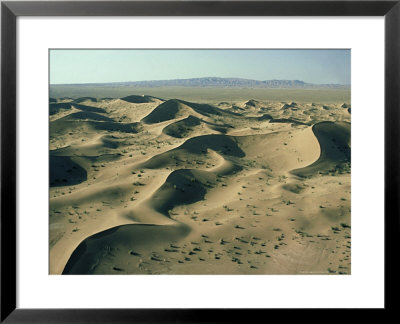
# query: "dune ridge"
x,y
96,248
334,141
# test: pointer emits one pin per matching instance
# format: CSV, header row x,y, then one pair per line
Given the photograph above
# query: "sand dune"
x,y
182,186
89,120
54,108
65,172
208,110
191,125
139,99
143,186
83,99
166,111
253,103
175,108
88,108
265,117
83,115
182,128
194,152
334,140
286,120
93,253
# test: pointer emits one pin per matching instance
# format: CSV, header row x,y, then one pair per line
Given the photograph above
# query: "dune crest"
x,y
334,141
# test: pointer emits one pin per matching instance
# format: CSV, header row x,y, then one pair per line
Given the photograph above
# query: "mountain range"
x,y
215,82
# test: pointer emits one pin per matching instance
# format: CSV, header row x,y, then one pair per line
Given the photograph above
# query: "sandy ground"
x,y
139,185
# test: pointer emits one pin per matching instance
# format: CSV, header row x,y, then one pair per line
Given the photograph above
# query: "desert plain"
x,y
244,182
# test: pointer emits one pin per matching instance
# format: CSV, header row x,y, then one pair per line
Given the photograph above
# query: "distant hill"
x,y
215,82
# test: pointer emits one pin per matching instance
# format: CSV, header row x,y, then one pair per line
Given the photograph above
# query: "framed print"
x,y
193,160
216,210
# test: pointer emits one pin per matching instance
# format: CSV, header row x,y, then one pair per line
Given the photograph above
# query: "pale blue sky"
x,y
97,66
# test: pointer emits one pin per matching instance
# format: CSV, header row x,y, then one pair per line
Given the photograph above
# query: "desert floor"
x,y
143,185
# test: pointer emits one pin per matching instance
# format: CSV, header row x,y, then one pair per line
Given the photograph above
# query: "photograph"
x,y
199,161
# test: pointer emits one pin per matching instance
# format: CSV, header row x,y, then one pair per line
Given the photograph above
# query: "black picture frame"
x,y
10,10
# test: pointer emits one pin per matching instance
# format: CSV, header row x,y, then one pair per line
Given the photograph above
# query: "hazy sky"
x,y
96,66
